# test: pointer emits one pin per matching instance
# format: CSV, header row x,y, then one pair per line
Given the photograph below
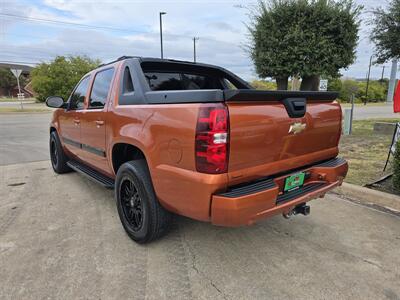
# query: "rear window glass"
x,y
101,86
174,75
166,81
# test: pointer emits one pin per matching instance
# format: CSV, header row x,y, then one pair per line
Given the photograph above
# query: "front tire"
x,y
141,215
58,157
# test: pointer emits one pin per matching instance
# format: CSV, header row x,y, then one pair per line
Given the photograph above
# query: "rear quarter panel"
x,y
165,133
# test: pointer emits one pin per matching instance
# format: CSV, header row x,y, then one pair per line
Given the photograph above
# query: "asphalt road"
x,y
60,238
24,137
374,112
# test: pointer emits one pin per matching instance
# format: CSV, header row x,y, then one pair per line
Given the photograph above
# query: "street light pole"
x,y
161,38
369,72
194,48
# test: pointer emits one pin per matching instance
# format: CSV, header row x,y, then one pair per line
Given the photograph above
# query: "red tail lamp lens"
x,y
212,139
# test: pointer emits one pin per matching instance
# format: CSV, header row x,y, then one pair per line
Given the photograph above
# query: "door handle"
x,y
99,123
77,121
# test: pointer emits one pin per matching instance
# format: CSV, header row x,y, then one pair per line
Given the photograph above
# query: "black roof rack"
x,y
118,59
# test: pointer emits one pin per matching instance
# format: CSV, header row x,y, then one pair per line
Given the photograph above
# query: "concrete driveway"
x,y
60,238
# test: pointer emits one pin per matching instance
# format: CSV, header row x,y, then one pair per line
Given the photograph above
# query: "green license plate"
x,y
294,181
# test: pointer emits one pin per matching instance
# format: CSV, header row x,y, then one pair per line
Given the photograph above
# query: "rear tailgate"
x,y
270,134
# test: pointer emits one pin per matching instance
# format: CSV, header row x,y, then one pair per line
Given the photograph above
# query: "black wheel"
x,y
141,215
57,155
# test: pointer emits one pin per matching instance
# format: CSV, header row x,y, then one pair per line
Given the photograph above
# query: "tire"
x,y
57,156
141,215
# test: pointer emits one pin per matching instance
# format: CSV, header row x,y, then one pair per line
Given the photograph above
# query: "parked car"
x,y
174,137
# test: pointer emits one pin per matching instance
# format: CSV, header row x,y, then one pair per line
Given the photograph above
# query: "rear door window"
x,y
101,88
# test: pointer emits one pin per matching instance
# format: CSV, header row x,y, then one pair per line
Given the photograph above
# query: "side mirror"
x,y
55,102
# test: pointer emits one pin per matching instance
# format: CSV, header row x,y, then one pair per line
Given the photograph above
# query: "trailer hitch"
x,y
301,208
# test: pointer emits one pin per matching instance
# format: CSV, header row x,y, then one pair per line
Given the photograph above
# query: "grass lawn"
x,y
15,99
366,152
25,110
368,104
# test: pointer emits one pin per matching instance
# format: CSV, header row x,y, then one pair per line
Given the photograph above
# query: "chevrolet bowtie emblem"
x,y
297,127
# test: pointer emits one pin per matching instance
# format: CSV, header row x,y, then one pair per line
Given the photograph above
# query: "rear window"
x,y
166,81
101,87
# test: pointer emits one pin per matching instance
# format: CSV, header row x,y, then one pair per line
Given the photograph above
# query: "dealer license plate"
x,y
294,181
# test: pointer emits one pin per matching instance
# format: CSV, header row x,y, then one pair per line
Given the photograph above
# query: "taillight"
x,y
212,139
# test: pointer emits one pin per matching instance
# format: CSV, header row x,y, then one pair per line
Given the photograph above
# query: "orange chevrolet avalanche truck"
x,y
196,140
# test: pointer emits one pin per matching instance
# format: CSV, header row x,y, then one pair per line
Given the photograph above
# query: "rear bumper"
x,y
245,204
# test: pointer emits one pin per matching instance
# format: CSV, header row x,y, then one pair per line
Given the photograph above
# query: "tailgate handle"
x,y
295,107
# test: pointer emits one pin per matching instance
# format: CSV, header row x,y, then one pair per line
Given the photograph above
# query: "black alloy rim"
x,y
132,204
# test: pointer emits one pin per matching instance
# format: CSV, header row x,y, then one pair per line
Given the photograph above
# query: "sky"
x,y
111,29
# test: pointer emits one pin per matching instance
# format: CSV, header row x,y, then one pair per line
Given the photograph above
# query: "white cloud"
x,y
219,24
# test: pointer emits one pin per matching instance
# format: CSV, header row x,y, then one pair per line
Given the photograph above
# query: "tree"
x,y
306,38
8,80
60,76
386,32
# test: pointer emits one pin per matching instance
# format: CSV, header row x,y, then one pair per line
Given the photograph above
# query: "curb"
x,y
369,196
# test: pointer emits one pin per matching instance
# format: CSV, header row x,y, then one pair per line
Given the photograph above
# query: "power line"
x,y
94,27
44,53
59,40
69,23
18,62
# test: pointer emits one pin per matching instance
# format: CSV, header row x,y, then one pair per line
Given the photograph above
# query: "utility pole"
x,y
161,38
369,72
194,48
392,81
383,73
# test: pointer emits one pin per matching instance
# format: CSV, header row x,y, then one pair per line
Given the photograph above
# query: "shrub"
x,y
263,85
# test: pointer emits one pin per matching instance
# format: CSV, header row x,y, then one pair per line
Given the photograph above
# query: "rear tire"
x,y
141,215
57,155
